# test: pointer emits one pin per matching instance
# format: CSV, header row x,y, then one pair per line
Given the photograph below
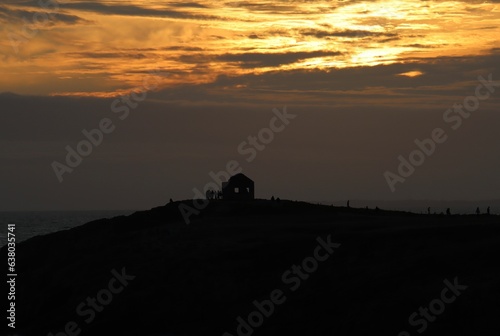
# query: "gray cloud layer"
x,y
352,124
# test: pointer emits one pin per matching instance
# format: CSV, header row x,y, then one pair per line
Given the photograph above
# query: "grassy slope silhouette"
x,y
197,279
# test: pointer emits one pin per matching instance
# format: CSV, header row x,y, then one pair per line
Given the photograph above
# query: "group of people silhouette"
x,y
478,212
216,195
213,195
448,211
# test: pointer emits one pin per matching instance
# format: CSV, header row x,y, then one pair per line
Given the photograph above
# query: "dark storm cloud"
x,y
100,55
187,5
269,8
9,15
344,33
131,10
258,60
445,72
182,48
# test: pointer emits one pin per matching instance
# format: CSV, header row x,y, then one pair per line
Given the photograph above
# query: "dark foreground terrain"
x,y
154,275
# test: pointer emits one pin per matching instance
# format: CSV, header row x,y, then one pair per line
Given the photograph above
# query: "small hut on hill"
x,y
238,188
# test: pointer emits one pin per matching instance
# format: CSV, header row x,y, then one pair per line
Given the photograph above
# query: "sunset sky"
x,y
365,79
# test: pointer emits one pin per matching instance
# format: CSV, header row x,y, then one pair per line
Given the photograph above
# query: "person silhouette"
x,y
348,204
429,210
488,211
478,212
272,198
448,211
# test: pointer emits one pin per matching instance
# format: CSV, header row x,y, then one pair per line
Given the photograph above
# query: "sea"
x,y
29,224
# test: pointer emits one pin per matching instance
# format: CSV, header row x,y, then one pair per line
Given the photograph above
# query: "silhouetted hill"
x,y
198,279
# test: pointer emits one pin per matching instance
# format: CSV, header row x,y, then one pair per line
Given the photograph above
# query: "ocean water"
x,y
34,223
